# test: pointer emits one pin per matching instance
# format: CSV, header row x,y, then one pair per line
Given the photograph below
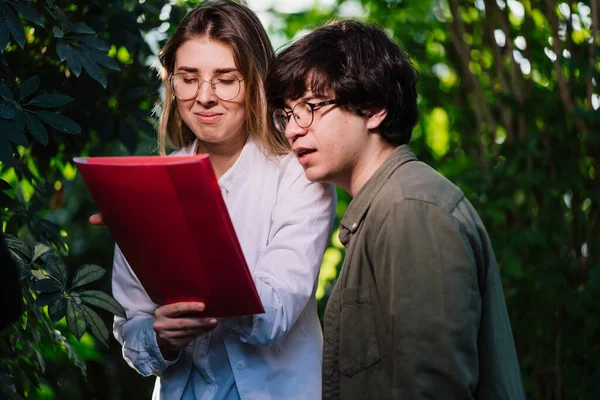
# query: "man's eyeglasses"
x,y
303,112
186,86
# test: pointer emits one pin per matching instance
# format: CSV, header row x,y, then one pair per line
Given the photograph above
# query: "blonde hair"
x,y
239,28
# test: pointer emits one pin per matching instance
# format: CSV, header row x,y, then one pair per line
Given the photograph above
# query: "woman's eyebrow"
x,y
216,71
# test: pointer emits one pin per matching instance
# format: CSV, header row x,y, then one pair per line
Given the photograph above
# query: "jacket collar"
x,y
360,204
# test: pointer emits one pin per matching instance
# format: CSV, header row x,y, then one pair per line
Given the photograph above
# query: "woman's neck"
x,y
222,155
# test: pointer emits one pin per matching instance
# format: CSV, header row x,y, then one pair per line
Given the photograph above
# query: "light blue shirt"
x,y
283,224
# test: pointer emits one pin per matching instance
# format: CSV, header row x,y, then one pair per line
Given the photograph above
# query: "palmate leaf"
x,y
30,86
100,299
29,13
87,273
63,50
47,285
13,23
58,309
91,66
13,132
50,100
36,128
95,323
105,60
80,27
39,249
4,34
57,32
59,122
75,319
14,243
7,110
56,268
93,42
45,299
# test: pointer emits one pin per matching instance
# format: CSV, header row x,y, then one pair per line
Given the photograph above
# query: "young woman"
x,y
213,70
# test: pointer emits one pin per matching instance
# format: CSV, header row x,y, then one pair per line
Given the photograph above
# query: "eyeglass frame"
x,y
313,107
212,85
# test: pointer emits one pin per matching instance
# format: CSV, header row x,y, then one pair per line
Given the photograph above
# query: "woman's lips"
x,y
208,118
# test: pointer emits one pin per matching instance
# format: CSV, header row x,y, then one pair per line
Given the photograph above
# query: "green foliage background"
x,y
508,101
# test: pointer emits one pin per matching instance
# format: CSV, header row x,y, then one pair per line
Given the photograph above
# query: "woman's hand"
x,y
177,324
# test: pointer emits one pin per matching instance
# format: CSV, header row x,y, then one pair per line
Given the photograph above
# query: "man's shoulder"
x,y
417,181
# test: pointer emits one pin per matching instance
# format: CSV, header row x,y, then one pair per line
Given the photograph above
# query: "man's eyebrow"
x,y
300,100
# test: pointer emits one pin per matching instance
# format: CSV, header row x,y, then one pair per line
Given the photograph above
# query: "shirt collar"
x,y
360,204
240,168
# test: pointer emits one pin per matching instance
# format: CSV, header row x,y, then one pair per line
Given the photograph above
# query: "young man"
x,y
418,310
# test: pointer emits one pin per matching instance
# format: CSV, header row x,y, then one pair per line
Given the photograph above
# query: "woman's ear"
x,y
375,118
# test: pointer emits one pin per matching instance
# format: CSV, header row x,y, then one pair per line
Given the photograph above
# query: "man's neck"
x,y
372,158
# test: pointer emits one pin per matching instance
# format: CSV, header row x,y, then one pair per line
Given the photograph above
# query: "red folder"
x,y
170,221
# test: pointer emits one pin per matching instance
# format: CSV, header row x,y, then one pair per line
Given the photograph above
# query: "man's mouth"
x,y
302,151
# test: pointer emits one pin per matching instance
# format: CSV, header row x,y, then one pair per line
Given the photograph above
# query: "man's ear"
x,y
376,117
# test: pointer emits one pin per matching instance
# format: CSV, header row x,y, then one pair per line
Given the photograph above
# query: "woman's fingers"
x,y
96,219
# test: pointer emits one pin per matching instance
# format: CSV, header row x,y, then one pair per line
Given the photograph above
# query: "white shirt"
x,y
283,223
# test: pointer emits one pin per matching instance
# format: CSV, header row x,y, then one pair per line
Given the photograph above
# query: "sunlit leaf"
x,y
4,185
51,100
58,309
59,122
96,325
47,285
36,128
75,319
30,86
39,249
102,300
87,273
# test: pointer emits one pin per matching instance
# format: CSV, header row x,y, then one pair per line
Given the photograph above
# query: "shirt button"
x,y
241,365
354,226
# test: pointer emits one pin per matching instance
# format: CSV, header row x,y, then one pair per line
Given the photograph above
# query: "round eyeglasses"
x,y
186,86
303,112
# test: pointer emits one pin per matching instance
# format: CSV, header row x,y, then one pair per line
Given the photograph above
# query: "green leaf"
x,y
95,323
14,25
4,34
13,132
105,60
47,285
56,267
29,13
5,91
93,42
80,27
92,67
58,309
7,110
100,299
74,61
21,262
59,122
63,50
17,245
87,273
51,100
57,32
36,128
44,299
75,319
29,86
39,249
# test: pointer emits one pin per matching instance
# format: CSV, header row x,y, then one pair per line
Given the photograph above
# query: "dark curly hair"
x,y
358,64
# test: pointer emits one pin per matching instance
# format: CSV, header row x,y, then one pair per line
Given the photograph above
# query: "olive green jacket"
x,y
418,310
